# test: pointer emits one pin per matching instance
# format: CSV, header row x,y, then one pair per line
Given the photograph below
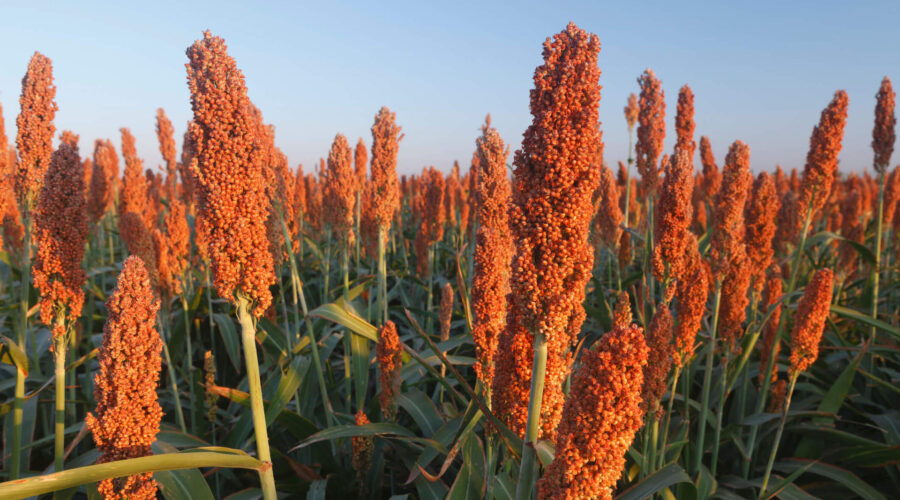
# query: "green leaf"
x,y
359,348
422,410
379,429
297,425
246,494
229,337
545,452
870,456
842,476
470,481
335,313
287,387
669,475
504,488
834,398
11,354
189,459
830,404
187,484
863,318
780,486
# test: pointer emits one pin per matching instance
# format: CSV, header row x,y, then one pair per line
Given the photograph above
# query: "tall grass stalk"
x,y
707,381
528,470
248,338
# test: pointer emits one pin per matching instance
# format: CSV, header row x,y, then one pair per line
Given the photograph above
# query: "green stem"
x,y
248,337
348,348
654,442
665,429
189,365
707,382
778,433
430,281
628,173
179,414
24,287
59,355
750,444
382,315
314,349
877,267
528,470
327,271
723,395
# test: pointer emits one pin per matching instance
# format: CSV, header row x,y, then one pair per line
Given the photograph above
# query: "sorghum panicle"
x,y
651,129
883,135
493,249
809,321
126,420
60,223
600,418
555,178
34,130
228,167
389,353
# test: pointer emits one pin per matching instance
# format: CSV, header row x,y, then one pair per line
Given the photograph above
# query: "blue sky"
x,y
761,71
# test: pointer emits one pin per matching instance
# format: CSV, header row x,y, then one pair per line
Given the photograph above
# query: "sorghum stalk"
x,y
59,356
385,194
229,169
248,338
631,116
34,141
883,138
299,297
60,223
528,470
707,381
766,382
173,381
556,177
818,174
809,324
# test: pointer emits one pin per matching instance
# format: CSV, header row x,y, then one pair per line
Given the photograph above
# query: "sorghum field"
x,y
553,320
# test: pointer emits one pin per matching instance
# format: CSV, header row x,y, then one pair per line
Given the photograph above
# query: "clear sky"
x,y
761,71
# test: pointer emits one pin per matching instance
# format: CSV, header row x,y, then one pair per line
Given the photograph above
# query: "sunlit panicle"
x,y
684,123
809,321
34,130
389,353
339,197
432,214
651,130
659,360
228,168
760,215
60,223
493,249
133,197
386,192
609,216
600,418
673,218
691,296
821,160
126,420
165,133
550,217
